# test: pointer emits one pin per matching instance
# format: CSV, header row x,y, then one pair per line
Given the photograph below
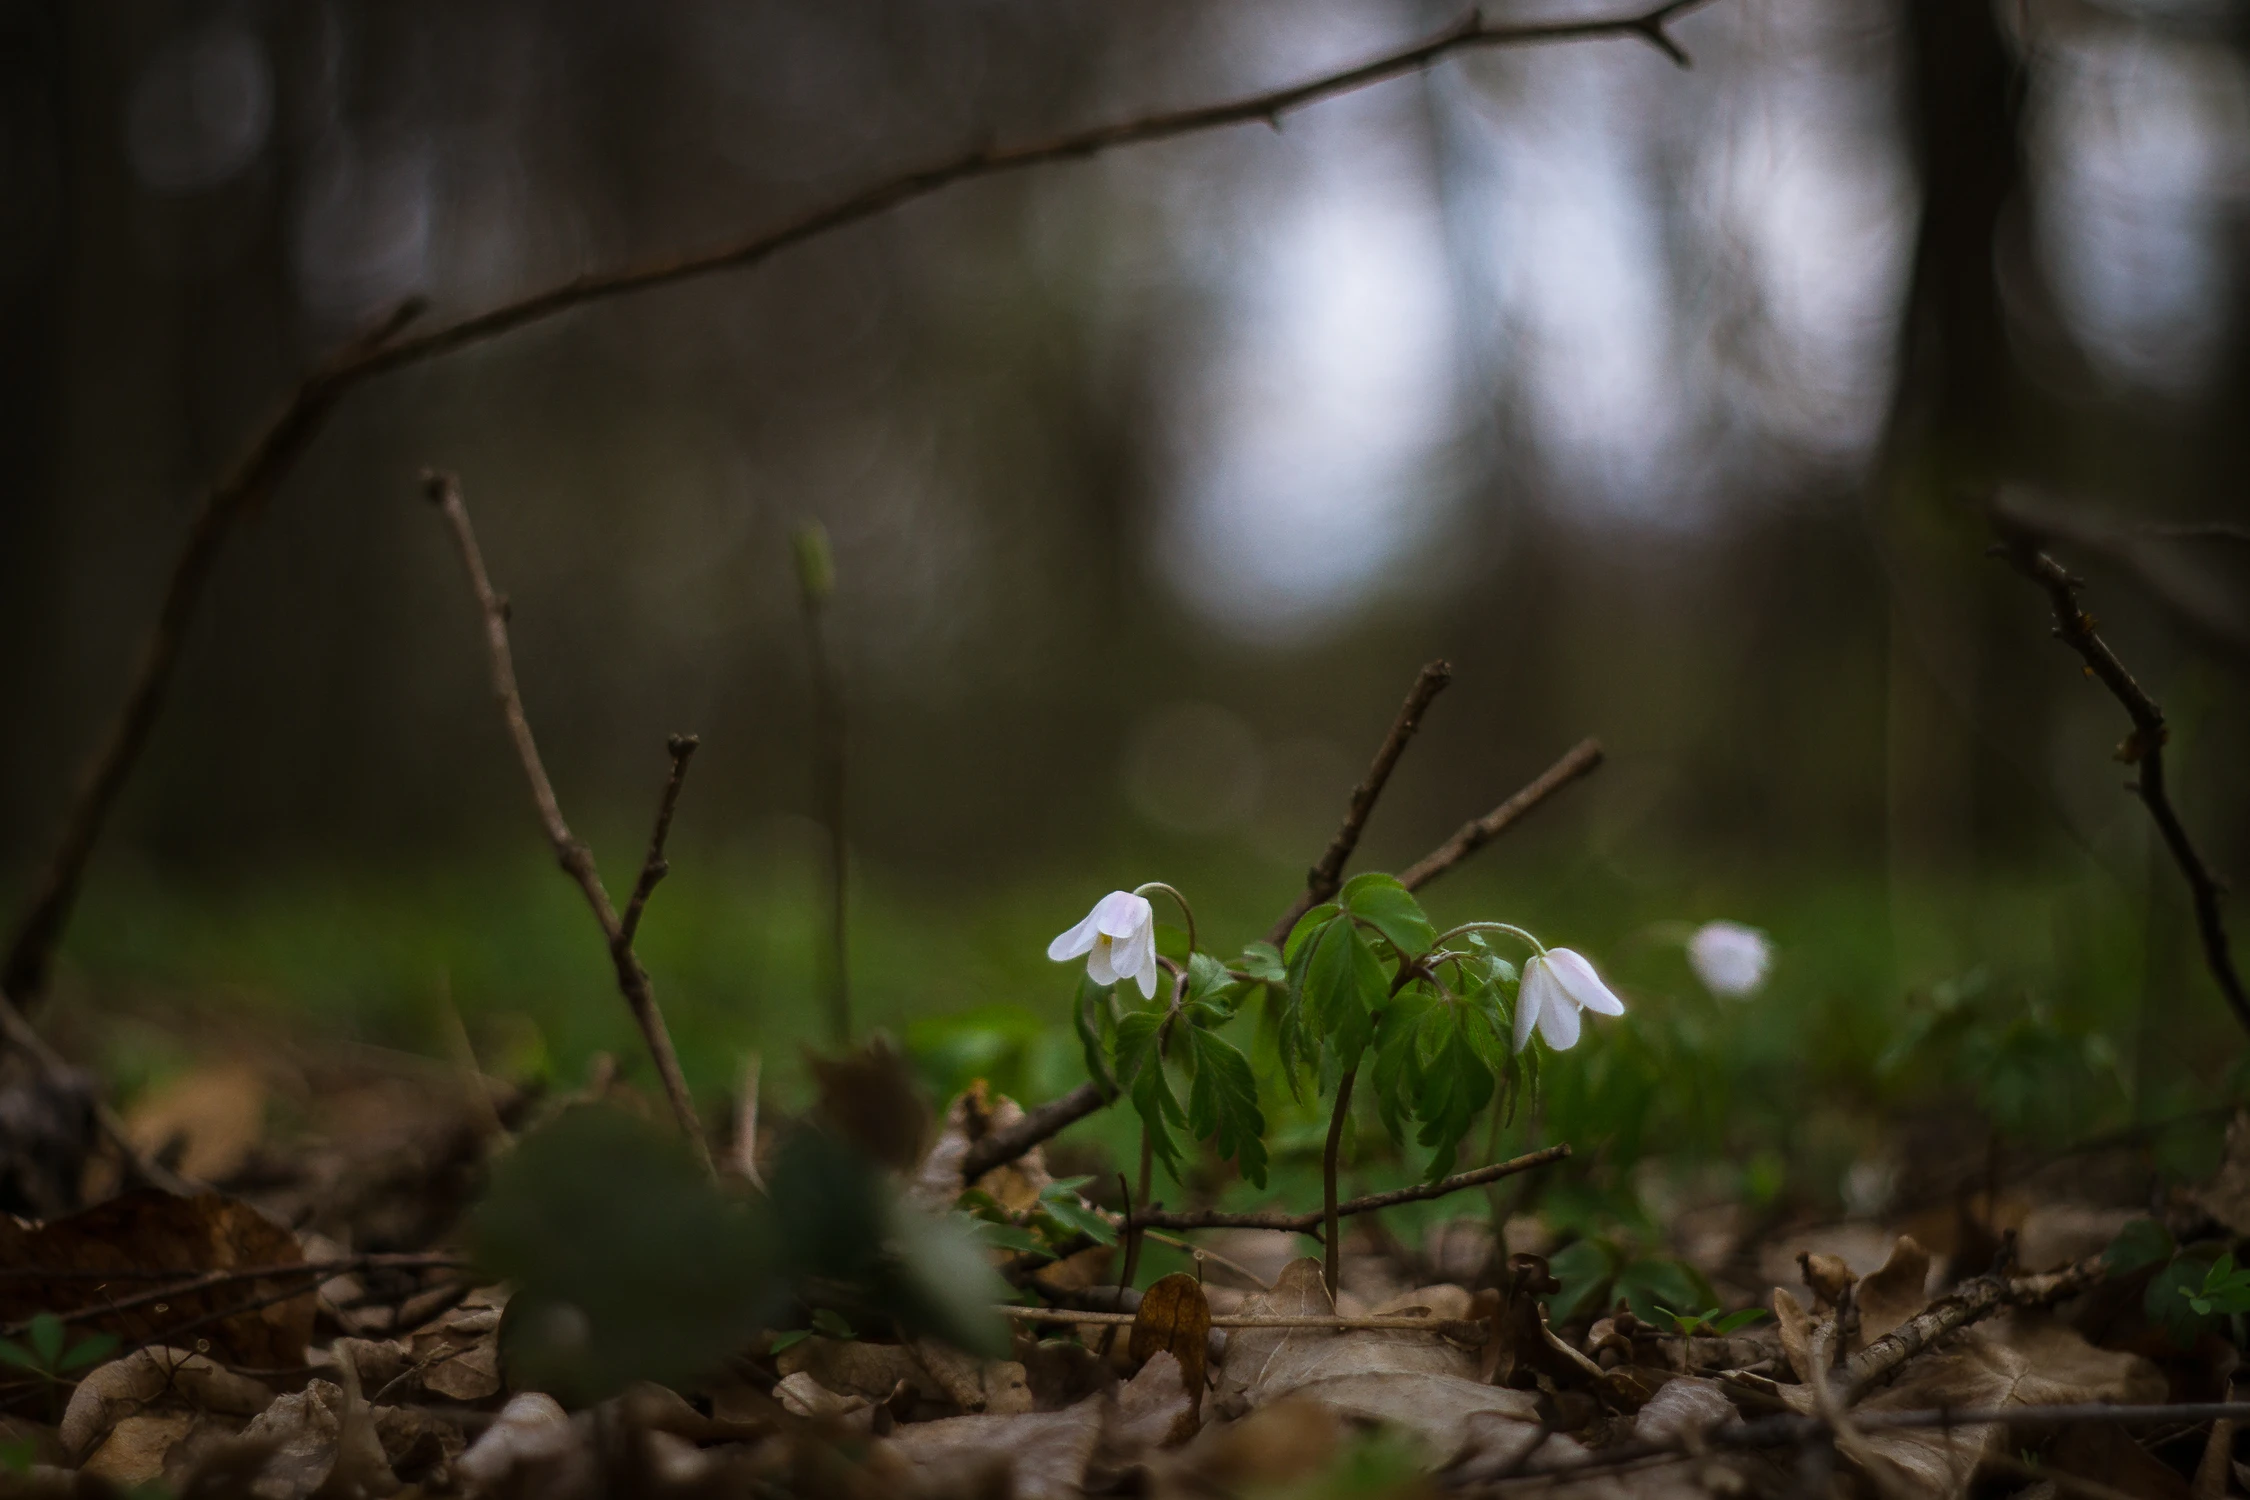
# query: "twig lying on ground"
x,y
183,1284
1579,760
1468,1330
1975,1299
444,491
2144,747
1303,1223
274,451
1327,873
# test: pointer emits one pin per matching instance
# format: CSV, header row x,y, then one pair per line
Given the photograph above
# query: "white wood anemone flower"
x,y
1732,960
1117,940
1557,984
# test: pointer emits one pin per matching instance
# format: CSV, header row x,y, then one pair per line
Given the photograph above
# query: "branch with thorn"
x,y
274,451
444,491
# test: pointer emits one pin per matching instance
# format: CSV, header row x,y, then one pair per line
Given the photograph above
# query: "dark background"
x,y
1658,401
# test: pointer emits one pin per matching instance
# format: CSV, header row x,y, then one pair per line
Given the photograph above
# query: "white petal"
x,y
1147,978
1531,995
1101,962
1730,959
1078,940
1582,984
1121,914
1558,1023
1136,956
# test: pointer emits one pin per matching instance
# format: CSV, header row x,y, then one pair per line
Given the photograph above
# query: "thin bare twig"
x,y
1327,874
1468,1330
2144,747
655,867
273,451
204,1281
1305,1223
138,1164
1579,760
444,491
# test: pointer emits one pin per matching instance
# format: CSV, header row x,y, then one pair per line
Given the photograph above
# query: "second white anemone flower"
x,y
1729,958
1118,940
1557,984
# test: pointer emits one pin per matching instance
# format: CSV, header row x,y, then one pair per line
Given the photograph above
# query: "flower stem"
x,y
1185,910
1507,927
1334,1268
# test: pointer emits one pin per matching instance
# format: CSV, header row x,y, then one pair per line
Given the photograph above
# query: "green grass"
x,y
2027,993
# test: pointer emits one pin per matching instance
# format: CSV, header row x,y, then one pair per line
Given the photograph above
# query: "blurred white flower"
x,y
1118,939
1556,986
1730,959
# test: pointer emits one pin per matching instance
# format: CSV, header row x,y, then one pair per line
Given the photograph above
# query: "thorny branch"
x,y
274,450
1327,874
444,491
2144,747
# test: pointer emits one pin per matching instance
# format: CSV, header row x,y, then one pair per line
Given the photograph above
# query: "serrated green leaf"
x,y
1207,976
1008,1237
1137,1031
1262,962
1390,908
1065,1188
1223,1104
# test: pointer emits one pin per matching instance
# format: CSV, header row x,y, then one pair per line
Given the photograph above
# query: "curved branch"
x,y
273,452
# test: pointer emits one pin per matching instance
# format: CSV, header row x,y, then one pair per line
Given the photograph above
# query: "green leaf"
x,y
827,1320
1138,1059
1586,1268
46,1333
1137,1031
90,1350
1390,908
1090,1016
1742,1319
13,1353
788,1340
1308,924
1223,1104
1009,1237
1262,962
1455,1089
1207,977
1076,1215
1642,1282
1344,985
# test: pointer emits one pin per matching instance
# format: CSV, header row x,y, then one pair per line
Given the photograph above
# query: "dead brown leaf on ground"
x,y
147,1231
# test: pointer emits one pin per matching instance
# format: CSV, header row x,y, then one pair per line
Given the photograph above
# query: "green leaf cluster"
x,y
1140,1052
47,1353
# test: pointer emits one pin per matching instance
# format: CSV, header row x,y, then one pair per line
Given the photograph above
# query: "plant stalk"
x,y
1333,1270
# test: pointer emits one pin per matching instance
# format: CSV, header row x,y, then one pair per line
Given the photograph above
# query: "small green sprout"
x,y
43,1353
2225,1290
1711,1324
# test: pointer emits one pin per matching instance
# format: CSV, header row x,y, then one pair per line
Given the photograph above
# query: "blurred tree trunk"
x,y
1956,424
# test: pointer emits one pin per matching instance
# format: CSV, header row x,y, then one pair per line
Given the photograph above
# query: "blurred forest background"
x,y
1656,400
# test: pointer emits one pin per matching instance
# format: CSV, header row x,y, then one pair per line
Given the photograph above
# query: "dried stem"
x,y
2143,747
444,491
1579,760
1327,873
184,1284
274,451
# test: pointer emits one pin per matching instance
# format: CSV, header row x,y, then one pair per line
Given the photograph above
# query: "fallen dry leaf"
x,y
1154,1409
319,1439
146,1231
1893,1293
1410,1379
154,1378
2227,1196
532,1442
1272,1446
213,1118
1045,1453
1686,1404
135,1450
1173,1318
803,1396
2022,1360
